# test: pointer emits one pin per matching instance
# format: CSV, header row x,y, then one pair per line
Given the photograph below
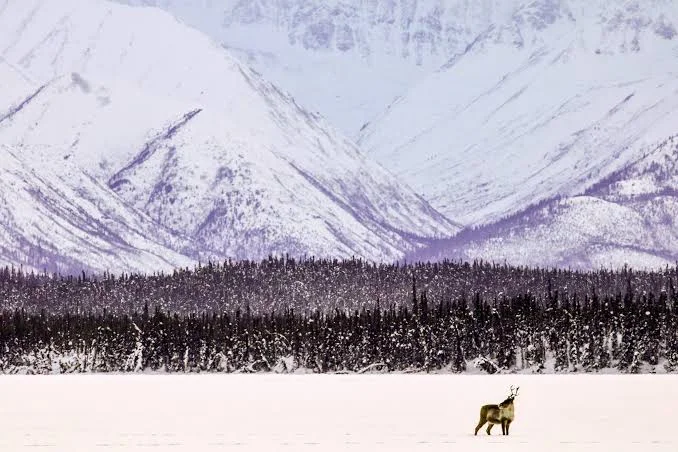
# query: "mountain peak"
x,y
196,142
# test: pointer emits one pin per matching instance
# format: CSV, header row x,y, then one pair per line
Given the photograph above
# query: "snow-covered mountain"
x,y
347,59
167,122
547,104
68,222
631,217
484,107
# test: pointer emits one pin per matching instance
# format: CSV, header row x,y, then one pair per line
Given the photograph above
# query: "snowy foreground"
x,y
334,412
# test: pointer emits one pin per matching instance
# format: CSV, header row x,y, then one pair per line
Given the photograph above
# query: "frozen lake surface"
x,y
334,413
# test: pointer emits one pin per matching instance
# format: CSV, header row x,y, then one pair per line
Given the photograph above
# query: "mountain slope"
x,y
187,135
70,222
546,104
628,218
346,59
483,107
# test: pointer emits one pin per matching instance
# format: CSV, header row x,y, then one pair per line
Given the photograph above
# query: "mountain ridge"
x,y
626,219
232,177
486,109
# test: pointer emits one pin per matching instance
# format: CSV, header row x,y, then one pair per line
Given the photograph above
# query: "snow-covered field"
x,y
335,413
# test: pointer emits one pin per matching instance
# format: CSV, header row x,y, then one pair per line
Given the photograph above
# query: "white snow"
x,y
507,125
335,413
629,219
12,83
66,221
115,80
486,107
531,100
345,59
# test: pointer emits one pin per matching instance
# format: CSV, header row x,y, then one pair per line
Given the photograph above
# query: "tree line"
x,y
310,285
556,332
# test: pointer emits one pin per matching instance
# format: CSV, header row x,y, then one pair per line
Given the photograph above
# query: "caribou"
x,y
498,414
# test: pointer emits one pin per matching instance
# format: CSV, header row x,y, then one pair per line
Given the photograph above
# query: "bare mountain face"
x,y
629,217
177,149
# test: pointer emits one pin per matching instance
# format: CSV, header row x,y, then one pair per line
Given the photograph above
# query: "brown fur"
x,y
497,414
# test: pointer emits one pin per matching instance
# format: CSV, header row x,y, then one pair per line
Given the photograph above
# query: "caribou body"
x,y
498,414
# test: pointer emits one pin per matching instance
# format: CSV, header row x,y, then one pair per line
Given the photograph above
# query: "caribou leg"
x,y
481,422
489,428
